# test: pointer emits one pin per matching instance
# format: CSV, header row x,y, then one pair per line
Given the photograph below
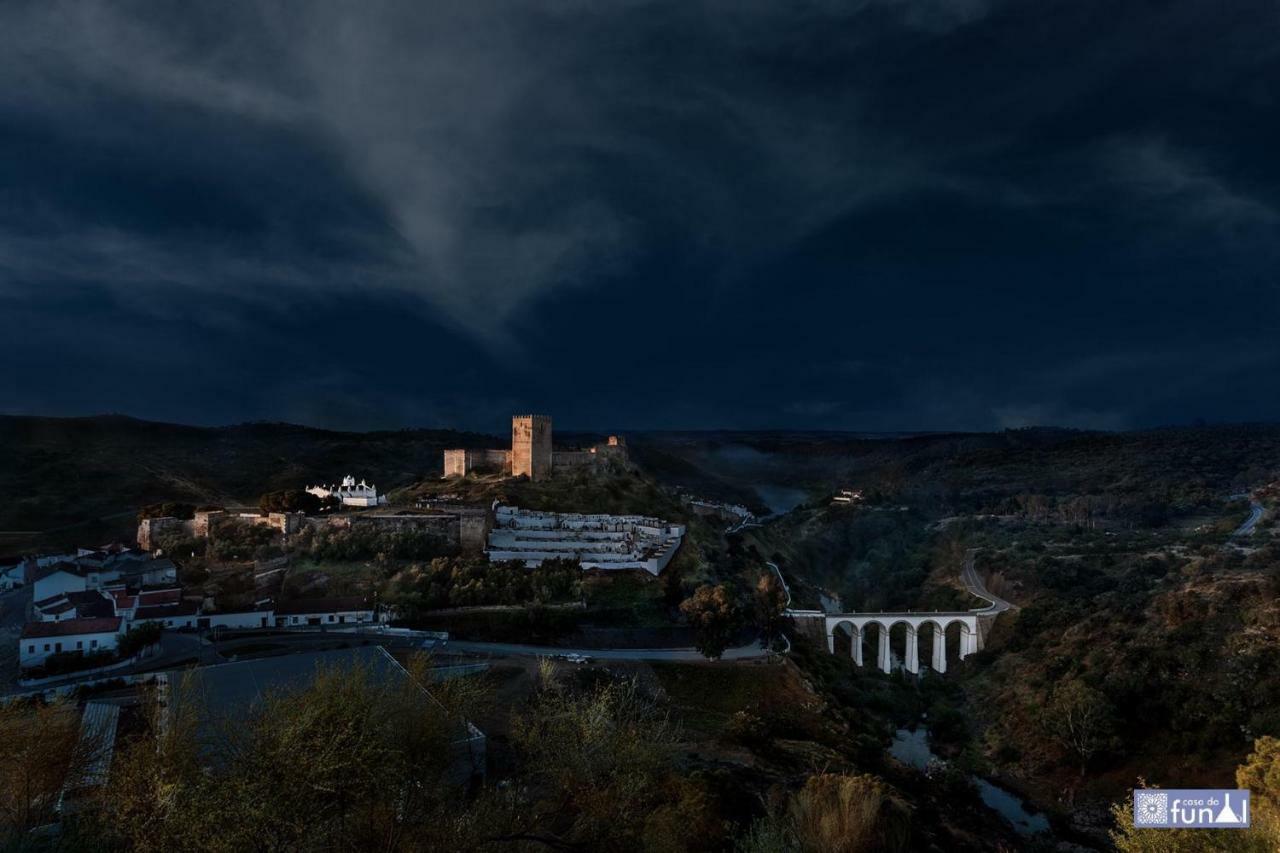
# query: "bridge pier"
x,y
857,646
885,658
913,651
968,643
939,649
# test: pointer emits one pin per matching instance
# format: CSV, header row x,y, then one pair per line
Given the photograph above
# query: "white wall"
x,y
34,650
348,617
252,619
56,583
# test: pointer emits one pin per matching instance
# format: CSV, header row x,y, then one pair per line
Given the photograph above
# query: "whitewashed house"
x,y
324,612
39,640
261,615
184,614
350,493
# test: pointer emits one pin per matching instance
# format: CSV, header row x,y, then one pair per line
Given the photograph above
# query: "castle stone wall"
x,y
460,462
444,525
572,458
150,528
455,463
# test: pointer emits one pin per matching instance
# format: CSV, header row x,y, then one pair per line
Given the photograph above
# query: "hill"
x,y
68,471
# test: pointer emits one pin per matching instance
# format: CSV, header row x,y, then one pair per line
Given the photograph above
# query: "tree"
x,y
600,761
40,749
290,500
347,761
1080,719
138,637
713,613
1260,837
770,603
1261,775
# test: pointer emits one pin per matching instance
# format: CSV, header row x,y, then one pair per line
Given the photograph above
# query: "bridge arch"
x,y
845,637
869,638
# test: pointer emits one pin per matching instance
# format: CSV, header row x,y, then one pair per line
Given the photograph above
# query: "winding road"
x,y
1255,515
751,651
974,585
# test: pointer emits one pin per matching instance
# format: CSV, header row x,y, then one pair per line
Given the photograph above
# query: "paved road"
x,y
973,583
782,581
1255,515
752,651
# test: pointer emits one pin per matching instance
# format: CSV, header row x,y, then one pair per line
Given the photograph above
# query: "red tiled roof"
x,y
160,596
166,611
61,607
68,627
91,604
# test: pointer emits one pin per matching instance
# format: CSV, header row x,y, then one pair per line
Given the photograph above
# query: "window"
x,y
46,647
93,644
330,617
31,650
79,644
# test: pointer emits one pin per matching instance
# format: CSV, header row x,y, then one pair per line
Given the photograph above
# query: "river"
x,y
780,499
912,747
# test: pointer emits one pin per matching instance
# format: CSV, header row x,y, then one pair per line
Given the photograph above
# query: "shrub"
x,y
290,500
845,814
61,663
138,638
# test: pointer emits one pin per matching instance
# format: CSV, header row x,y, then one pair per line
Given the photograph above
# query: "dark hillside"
x,y
1143,477
66,470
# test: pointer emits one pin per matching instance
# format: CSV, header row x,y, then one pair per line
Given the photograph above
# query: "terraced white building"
x,y
605,542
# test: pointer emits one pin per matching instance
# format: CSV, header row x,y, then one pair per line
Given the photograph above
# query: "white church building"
x,y
350,493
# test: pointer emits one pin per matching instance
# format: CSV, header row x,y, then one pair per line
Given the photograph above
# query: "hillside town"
x,y
201,586
87,605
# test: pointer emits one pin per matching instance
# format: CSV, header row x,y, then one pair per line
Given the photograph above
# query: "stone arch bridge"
x,y
862,626
934,625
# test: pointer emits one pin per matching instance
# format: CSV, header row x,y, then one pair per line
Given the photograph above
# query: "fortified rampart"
x,y
204,524
531,454
458,463
445,526
572,458
149,529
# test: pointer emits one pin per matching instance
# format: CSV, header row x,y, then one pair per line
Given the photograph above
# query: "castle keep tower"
x,y
531,446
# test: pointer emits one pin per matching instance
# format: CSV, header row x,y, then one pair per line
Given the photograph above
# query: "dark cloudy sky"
x,y
861,214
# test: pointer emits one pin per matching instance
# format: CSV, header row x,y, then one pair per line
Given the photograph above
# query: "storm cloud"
x,y
641,214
